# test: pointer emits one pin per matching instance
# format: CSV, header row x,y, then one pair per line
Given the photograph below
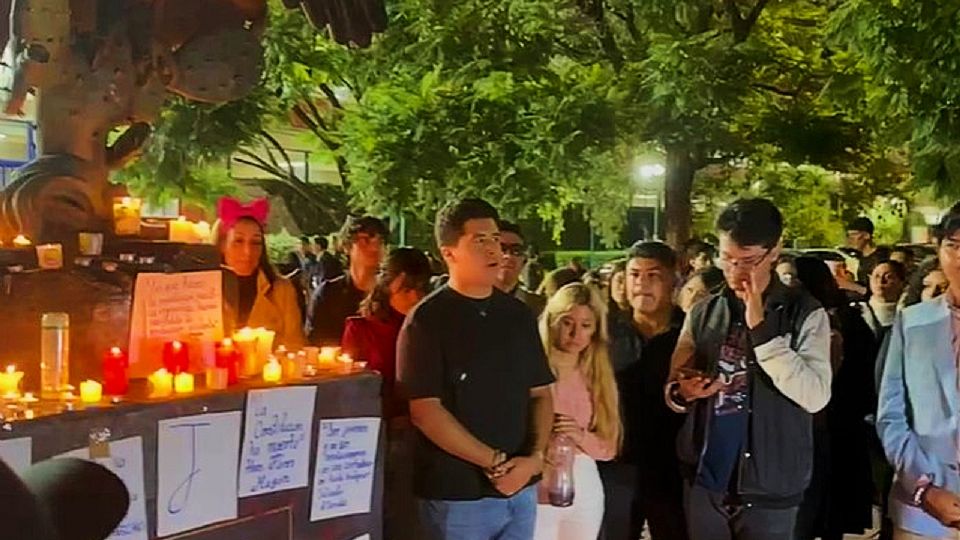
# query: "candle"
x,y
10,382
313,354
91,391
292,366
21,241
181,230
264,343
228,358
217,378
50,256
272,371
328,355
202,230
183,383
126,216
115,382
161,383
176,358
246,341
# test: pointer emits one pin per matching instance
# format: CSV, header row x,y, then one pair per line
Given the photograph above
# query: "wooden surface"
x,y
277,516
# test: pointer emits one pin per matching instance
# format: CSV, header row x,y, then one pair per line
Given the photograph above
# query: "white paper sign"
x,y
187,306
276,440
346,462
17,453
197,471
125,461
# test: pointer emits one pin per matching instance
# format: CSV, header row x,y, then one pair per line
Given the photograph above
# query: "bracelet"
x,y
920,493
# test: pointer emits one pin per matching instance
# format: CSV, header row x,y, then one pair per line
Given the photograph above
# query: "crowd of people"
x,y
726,390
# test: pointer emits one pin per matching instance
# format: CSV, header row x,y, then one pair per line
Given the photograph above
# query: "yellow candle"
x,y
91,391
181,230
264,344
183,383
246,341
21,241
217,378
272,371
126,215
10,382
161,382
328,355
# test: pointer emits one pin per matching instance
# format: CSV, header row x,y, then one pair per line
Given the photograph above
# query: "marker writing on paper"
x,y
182,492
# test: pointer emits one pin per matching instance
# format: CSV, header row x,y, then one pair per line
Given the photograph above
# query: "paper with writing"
x,y
187,306
125,461
346,463
276,440
197,471
17,453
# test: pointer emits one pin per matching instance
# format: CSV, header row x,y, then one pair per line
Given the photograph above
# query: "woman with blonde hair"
x,y
585,403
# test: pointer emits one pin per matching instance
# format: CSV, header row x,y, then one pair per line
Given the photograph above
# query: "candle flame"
x,y
11,369
227,342
177,345
115,351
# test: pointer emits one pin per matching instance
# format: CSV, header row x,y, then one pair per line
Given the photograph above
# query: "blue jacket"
x,y
918,411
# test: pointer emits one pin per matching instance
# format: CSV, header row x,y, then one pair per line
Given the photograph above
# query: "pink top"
x,y
571,397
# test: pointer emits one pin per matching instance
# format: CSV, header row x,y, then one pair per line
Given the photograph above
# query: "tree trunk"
x,y
680,169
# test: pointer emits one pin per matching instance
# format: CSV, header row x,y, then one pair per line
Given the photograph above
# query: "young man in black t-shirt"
x,y
472,364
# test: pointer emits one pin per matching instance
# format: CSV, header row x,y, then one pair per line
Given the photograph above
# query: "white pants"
x,y
582,519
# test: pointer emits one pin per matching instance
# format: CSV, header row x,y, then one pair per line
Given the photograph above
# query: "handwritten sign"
x,y
276,440
197,471
17,453
186,306
125,461
346,462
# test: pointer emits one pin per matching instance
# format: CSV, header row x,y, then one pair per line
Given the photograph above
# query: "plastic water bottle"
x,y
54,355
559,478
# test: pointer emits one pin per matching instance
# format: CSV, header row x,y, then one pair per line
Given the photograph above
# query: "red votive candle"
x,y
115,363
175,357
228,356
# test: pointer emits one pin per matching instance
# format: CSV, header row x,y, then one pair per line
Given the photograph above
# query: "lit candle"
x,y
313,354
161,383
246,341
176,357
21,241
328,355
228,358
264,343
181,230
183,383
115,382
50,256
292,366
202,230
10,382
126,216
217,378
91,391
272,372
346,362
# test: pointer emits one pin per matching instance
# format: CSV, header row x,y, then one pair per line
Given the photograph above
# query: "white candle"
x,y
10,382
183,383
161,382
91,391
272,372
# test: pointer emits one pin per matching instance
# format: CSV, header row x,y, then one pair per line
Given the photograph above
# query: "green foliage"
x,y
280,244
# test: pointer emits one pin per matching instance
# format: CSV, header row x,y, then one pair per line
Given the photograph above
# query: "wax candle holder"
x,y
91,392
115,363
217,378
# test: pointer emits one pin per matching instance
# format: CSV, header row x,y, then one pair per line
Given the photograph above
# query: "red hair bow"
x,y
230,210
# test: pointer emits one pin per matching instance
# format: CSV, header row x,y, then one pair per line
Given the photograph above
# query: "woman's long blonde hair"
x,y
594,361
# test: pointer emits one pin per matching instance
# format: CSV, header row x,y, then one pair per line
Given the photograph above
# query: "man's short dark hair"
x,y
362,225
862,224
304,239
657,251
696,247
949,225
752,222
452,218
322,242
510,227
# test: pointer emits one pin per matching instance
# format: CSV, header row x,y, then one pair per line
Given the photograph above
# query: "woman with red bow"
x,y
263,298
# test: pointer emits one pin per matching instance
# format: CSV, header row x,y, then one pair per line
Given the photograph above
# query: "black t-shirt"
x,y
480,358
330,306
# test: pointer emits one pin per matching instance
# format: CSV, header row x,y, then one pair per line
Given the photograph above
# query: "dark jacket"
x,y
789,379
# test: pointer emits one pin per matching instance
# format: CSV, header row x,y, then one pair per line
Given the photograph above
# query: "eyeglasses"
x,y
512,249
744,264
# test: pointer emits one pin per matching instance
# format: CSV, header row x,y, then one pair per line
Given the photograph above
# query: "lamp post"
x,y
648,175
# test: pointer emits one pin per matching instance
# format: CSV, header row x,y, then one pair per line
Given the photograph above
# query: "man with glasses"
x,y
514,257
336,299
751,367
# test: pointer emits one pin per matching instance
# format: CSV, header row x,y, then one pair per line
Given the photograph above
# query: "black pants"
x,y
635,497
709,518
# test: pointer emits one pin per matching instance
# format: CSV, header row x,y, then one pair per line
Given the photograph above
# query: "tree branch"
x,y
331,95
777,90
742,26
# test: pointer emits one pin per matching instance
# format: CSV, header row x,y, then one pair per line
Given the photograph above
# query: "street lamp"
x,y
648,174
